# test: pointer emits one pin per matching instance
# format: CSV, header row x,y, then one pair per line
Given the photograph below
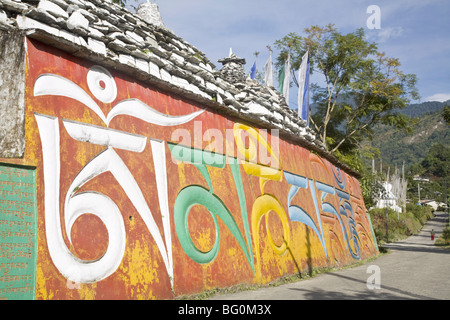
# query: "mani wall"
x,y
131,168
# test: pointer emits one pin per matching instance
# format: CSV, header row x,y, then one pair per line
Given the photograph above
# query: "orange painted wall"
x,y
257,238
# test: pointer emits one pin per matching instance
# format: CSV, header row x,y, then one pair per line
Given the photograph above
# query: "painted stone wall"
x,y
146,195
18,236
12,92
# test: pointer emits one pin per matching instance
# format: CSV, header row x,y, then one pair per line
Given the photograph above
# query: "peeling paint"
x,y
185,224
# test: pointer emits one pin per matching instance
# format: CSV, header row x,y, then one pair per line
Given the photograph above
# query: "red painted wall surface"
x,y
143,194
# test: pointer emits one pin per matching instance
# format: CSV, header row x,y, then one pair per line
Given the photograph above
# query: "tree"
x,y
361,86
121,2
436,163
446,114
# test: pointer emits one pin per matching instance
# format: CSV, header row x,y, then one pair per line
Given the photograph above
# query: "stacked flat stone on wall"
x,y
149,12
233,69
112,36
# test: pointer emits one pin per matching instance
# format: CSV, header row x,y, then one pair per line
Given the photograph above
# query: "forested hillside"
x,y
425,151
430,129
418,109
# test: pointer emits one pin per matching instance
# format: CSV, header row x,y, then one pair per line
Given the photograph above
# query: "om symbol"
x,y
103,87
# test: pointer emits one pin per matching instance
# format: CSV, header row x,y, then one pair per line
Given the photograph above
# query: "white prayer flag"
x,y
268,71
303,88
287,77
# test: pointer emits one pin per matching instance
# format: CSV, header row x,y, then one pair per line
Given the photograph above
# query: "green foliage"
x,y
437,161
120,2
446,114
444,239
425,151
419,109
369,182
397,146
363,87
446,235
421,213
400,225
434,166
370,188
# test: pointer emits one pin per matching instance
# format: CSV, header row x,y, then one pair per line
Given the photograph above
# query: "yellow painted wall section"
x,y
145,195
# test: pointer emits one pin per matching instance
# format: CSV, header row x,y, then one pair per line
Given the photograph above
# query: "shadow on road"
x,y
416,247
422,242
393,294
407,271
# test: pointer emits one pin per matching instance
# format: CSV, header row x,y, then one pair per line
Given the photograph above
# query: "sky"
x,y
415,31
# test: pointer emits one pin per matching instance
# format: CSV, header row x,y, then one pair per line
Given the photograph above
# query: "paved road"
x,y
414,269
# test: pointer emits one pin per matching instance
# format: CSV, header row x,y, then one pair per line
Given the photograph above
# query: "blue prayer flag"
x,y
253,73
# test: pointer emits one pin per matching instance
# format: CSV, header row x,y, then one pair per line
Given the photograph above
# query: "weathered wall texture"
x,y
146,195
12,92
18,233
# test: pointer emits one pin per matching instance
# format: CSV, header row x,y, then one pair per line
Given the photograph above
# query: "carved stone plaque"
x,y
18,233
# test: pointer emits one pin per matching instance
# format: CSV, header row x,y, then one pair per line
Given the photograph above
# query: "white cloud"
x,y
415,31
384,34
441,97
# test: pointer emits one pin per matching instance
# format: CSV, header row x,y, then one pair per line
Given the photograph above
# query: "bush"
x,y
444,239
423,214
400,225
446,235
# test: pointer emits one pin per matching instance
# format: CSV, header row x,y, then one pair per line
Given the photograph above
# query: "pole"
x,y
418,190
386,196
387,213
446,200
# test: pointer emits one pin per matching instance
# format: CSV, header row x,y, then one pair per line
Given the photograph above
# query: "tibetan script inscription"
x,y
18,233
